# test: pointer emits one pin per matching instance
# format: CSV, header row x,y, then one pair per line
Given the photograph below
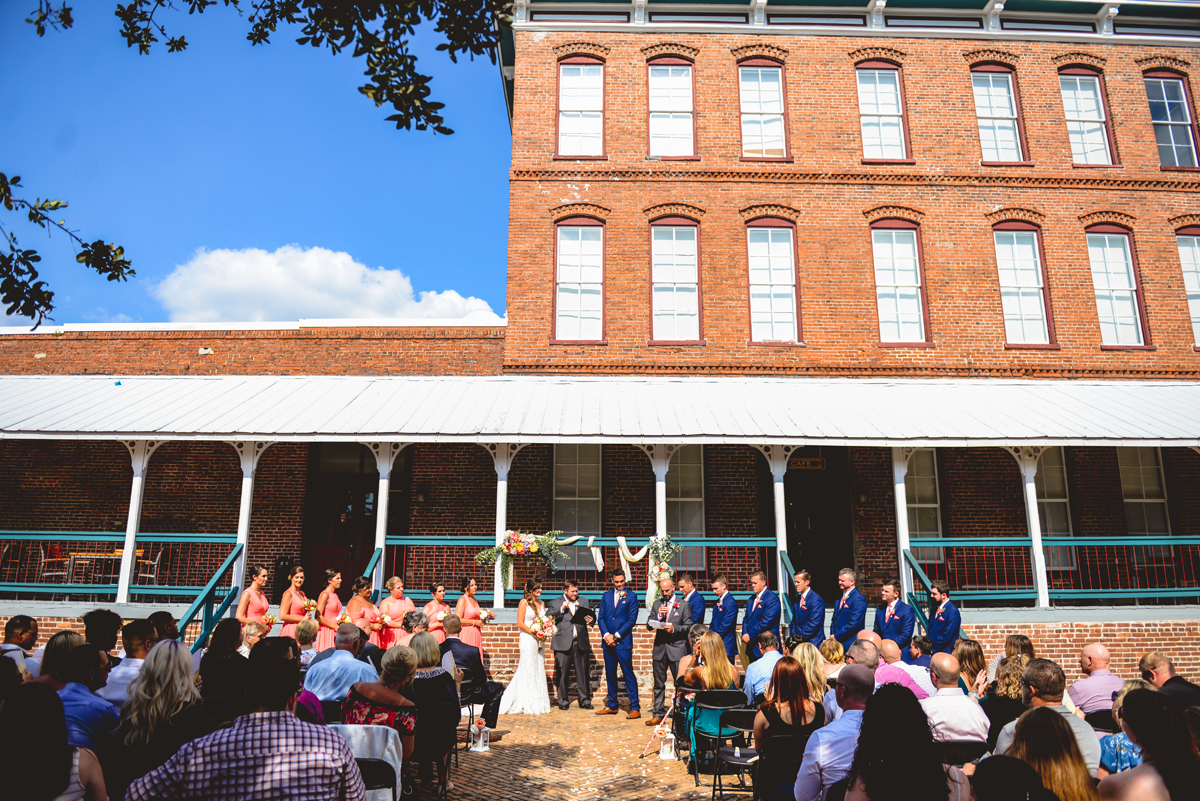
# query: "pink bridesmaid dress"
x,y
431,609
368,613
326,635
257,605
471,635
395,608
299,599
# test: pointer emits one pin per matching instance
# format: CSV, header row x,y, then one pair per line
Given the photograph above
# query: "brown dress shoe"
x,y
606,711
633,715
653,721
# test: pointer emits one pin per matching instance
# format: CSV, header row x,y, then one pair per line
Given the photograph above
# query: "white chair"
x,y
51,567
375,742
148,569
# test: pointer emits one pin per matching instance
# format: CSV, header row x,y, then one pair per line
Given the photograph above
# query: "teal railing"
x,y
369,573
787,572
212,602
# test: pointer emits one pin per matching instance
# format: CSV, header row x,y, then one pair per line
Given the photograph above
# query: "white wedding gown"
x,y
527,693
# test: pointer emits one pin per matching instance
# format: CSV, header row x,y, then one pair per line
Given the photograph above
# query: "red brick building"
x,y
822,280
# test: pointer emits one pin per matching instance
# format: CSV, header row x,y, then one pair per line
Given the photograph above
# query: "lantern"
x,y
480,736
666,749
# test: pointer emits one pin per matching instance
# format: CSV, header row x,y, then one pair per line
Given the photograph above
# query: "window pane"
x,y
997,115
897,282
772,285
1085,119
1172,122
578,311
880,112
1116,297
761,93
1021,293
577,489
1189,258
675,295
671,111
685,492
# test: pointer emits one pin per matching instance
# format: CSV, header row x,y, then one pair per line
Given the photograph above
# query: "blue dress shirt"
x,y
91,720
758,675
330,679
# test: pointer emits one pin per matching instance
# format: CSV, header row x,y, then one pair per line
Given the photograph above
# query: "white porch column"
x,y
1027,458
900,457
139,454
385,457
660,463
777,458
502,456
248,453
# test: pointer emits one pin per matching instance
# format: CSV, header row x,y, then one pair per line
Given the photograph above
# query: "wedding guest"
x,y
695,601
37,760
758,675
436,610
91,720
54,658
861,652
896,749
834,655
850,612
223,671
1157,669
830,749
10,678
362,612
972,665
894,619
1042,684
1117,752
394,607
813,664
1002,778
20,635
306,638
267,750
891,654
329,609
165,625
467,609
254,604
1002,702
1044,740
707,671
138,637
953,716
330,679
1155,722
724,616
251,634
100,628
1094,693
808,611
945,621
380,703
308,706
469,660
1014,644
920,652
788,708
762,613
671,619
163,712
415,623
697,631
618,613
431,683
291,606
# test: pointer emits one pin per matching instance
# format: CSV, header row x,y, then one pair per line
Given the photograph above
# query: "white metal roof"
x,y
606,409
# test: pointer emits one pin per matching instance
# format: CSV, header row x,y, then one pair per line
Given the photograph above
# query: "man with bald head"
x,y
830,750
953,716
863,653
1094,693
892,670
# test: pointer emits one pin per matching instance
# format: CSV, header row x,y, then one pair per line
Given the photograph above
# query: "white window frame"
x,y
873,121
1148,554
1189,259
1057,557
574,111
767,298
690,558
578,557
1025,286
673,324
1171,124
993,123
924,556
754,120
1110,298
890,294
566,317
1083,123
671,111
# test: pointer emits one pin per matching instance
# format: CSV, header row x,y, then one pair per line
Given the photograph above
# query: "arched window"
x,y
579,280
1089,125
672,102
1024,293
1173,117
774,289
1188,240
675,281
581,107
1119,303
998,111
881,113
764,109
900,283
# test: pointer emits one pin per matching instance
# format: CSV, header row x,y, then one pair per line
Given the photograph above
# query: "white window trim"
x,y
684,559
1153,554
656,284
1193,293
690,113
938,555
1134,291
579,285
1014,118
586,562
795,337
762,116
1186,124
919,286
1020,289
1101,108
863,116
1067,560
601,110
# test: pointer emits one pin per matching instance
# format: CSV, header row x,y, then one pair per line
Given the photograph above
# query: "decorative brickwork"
x,y
1114,217
1163,62
673,210
769,210
759,50
893,213
1184,220
877,53
1024,215
579,210
1079,58
582,48
670,49
992,56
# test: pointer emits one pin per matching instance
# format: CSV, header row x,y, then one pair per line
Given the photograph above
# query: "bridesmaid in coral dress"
x,y
254,604
329,607
363,613
434,608
467,610
291,606
395,606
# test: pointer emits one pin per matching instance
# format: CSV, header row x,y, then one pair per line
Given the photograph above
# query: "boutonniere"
x,y
621,595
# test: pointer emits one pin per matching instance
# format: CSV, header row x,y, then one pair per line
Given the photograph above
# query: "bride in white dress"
x,y
527,693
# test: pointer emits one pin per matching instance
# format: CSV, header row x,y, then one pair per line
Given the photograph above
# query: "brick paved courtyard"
x,y
574,755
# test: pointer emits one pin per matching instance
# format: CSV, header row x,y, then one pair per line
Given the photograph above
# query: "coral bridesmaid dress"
x,y
431,609
326,635
395,608
471,635
298,601
257,606
368,613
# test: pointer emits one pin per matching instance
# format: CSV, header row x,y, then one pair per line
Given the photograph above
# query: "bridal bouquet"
x,y
543,628
310,607
541,547
486,615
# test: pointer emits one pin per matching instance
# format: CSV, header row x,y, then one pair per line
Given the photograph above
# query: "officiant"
x,y
572,645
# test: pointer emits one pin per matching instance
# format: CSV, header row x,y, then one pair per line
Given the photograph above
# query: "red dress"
x,y
431,609
298,601
395,608
357,708
326,635
471,635
257,606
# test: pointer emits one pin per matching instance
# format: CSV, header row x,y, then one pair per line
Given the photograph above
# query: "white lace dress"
x,y
527,693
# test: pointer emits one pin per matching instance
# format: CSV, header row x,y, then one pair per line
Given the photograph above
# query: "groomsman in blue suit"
x,y
850,613
762,613
944,621
724,619
618,613
894,619
696,602
808,611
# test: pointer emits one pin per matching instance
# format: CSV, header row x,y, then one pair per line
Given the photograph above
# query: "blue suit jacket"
x,y
943,628
724,622
698,605
763,618
900,628
849,617
809,622
618,616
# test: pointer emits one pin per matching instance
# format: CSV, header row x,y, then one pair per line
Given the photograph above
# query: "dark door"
x,y
339,532
817,492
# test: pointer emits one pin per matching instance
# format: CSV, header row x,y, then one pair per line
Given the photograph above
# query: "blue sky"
x,y
240,152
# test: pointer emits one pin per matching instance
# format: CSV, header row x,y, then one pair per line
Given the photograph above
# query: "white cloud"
x,y
292,283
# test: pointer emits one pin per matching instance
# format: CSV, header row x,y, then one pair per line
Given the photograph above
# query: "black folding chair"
x,y
1102,720
377,774
778,763
435,738
960,752
332,711
465,690
740,755
837,790
706,733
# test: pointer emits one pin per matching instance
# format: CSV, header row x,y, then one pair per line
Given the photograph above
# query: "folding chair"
x,y
741,756
1102,721
706,727
436,736
377,774
960,752
778,763
465,690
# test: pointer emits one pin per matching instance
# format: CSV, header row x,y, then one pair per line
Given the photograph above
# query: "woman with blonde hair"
x,y
380,703
813,663
55,656
710,669
392,610
1117,752
306,635
1044,740
1002,702
835,657
1014,645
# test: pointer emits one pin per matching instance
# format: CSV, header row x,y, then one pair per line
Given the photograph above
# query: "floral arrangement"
x,y
310,607
541,547
344,617
486,615
268,620
662,550
660,571
543,628
440,616
385,620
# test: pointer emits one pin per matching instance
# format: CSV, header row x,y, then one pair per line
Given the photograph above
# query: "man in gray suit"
x,y
571,644
670,618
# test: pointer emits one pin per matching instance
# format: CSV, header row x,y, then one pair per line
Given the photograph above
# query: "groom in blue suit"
x,y
944,620
808,611
762,613
618,613
894,619
850,613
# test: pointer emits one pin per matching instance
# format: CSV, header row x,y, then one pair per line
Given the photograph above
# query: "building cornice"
x,y
852,371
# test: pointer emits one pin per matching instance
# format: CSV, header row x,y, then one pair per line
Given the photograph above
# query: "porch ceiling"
x,y
749,410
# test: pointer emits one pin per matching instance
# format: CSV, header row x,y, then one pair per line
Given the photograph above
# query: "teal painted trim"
x,y
59,589
1177,592
43,536
1129,542
226,538
968,595
375,557
785,565
168,589
487,541
205,598
912,562
919,611
971,542
691,542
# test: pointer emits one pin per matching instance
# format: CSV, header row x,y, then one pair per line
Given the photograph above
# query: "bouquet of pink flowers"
x,y
344,617
543,628
486,615
268,620
310,607
519,543
660,571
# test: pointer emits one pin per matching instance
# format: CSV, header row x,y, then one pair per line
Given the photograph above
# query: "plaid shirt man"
x,y
266,756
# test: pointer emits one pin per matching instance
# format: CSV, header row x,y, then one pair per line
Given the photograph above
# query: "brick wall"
x,y
875,556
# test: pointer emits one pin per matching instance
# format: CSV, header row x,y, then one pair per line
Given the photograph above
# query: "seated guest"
x,y
697,631
953,716
36,759
813,663
1002,702
330,679
758,675
138,637
414,623
101,628
1042,684
469,660
306,637
920,651
432,683
20,635
896,672
1117,751
262,755
788,708
707,671
1094,693
861,652
165,625
252,632
834,655
380,703
896,750
163,711
308,706
1014,645
972,666
91,720
830,750
1154,722
1002,778
223,670
1160,671
1044,740
10,678
54,658
892,654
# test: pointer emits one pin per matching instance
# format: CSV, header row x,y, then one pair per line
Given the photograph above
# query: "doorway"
x,y
819,524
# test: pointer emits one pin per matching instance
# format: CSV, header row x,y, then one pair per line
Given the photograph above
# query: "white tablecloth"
x,y
375,742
